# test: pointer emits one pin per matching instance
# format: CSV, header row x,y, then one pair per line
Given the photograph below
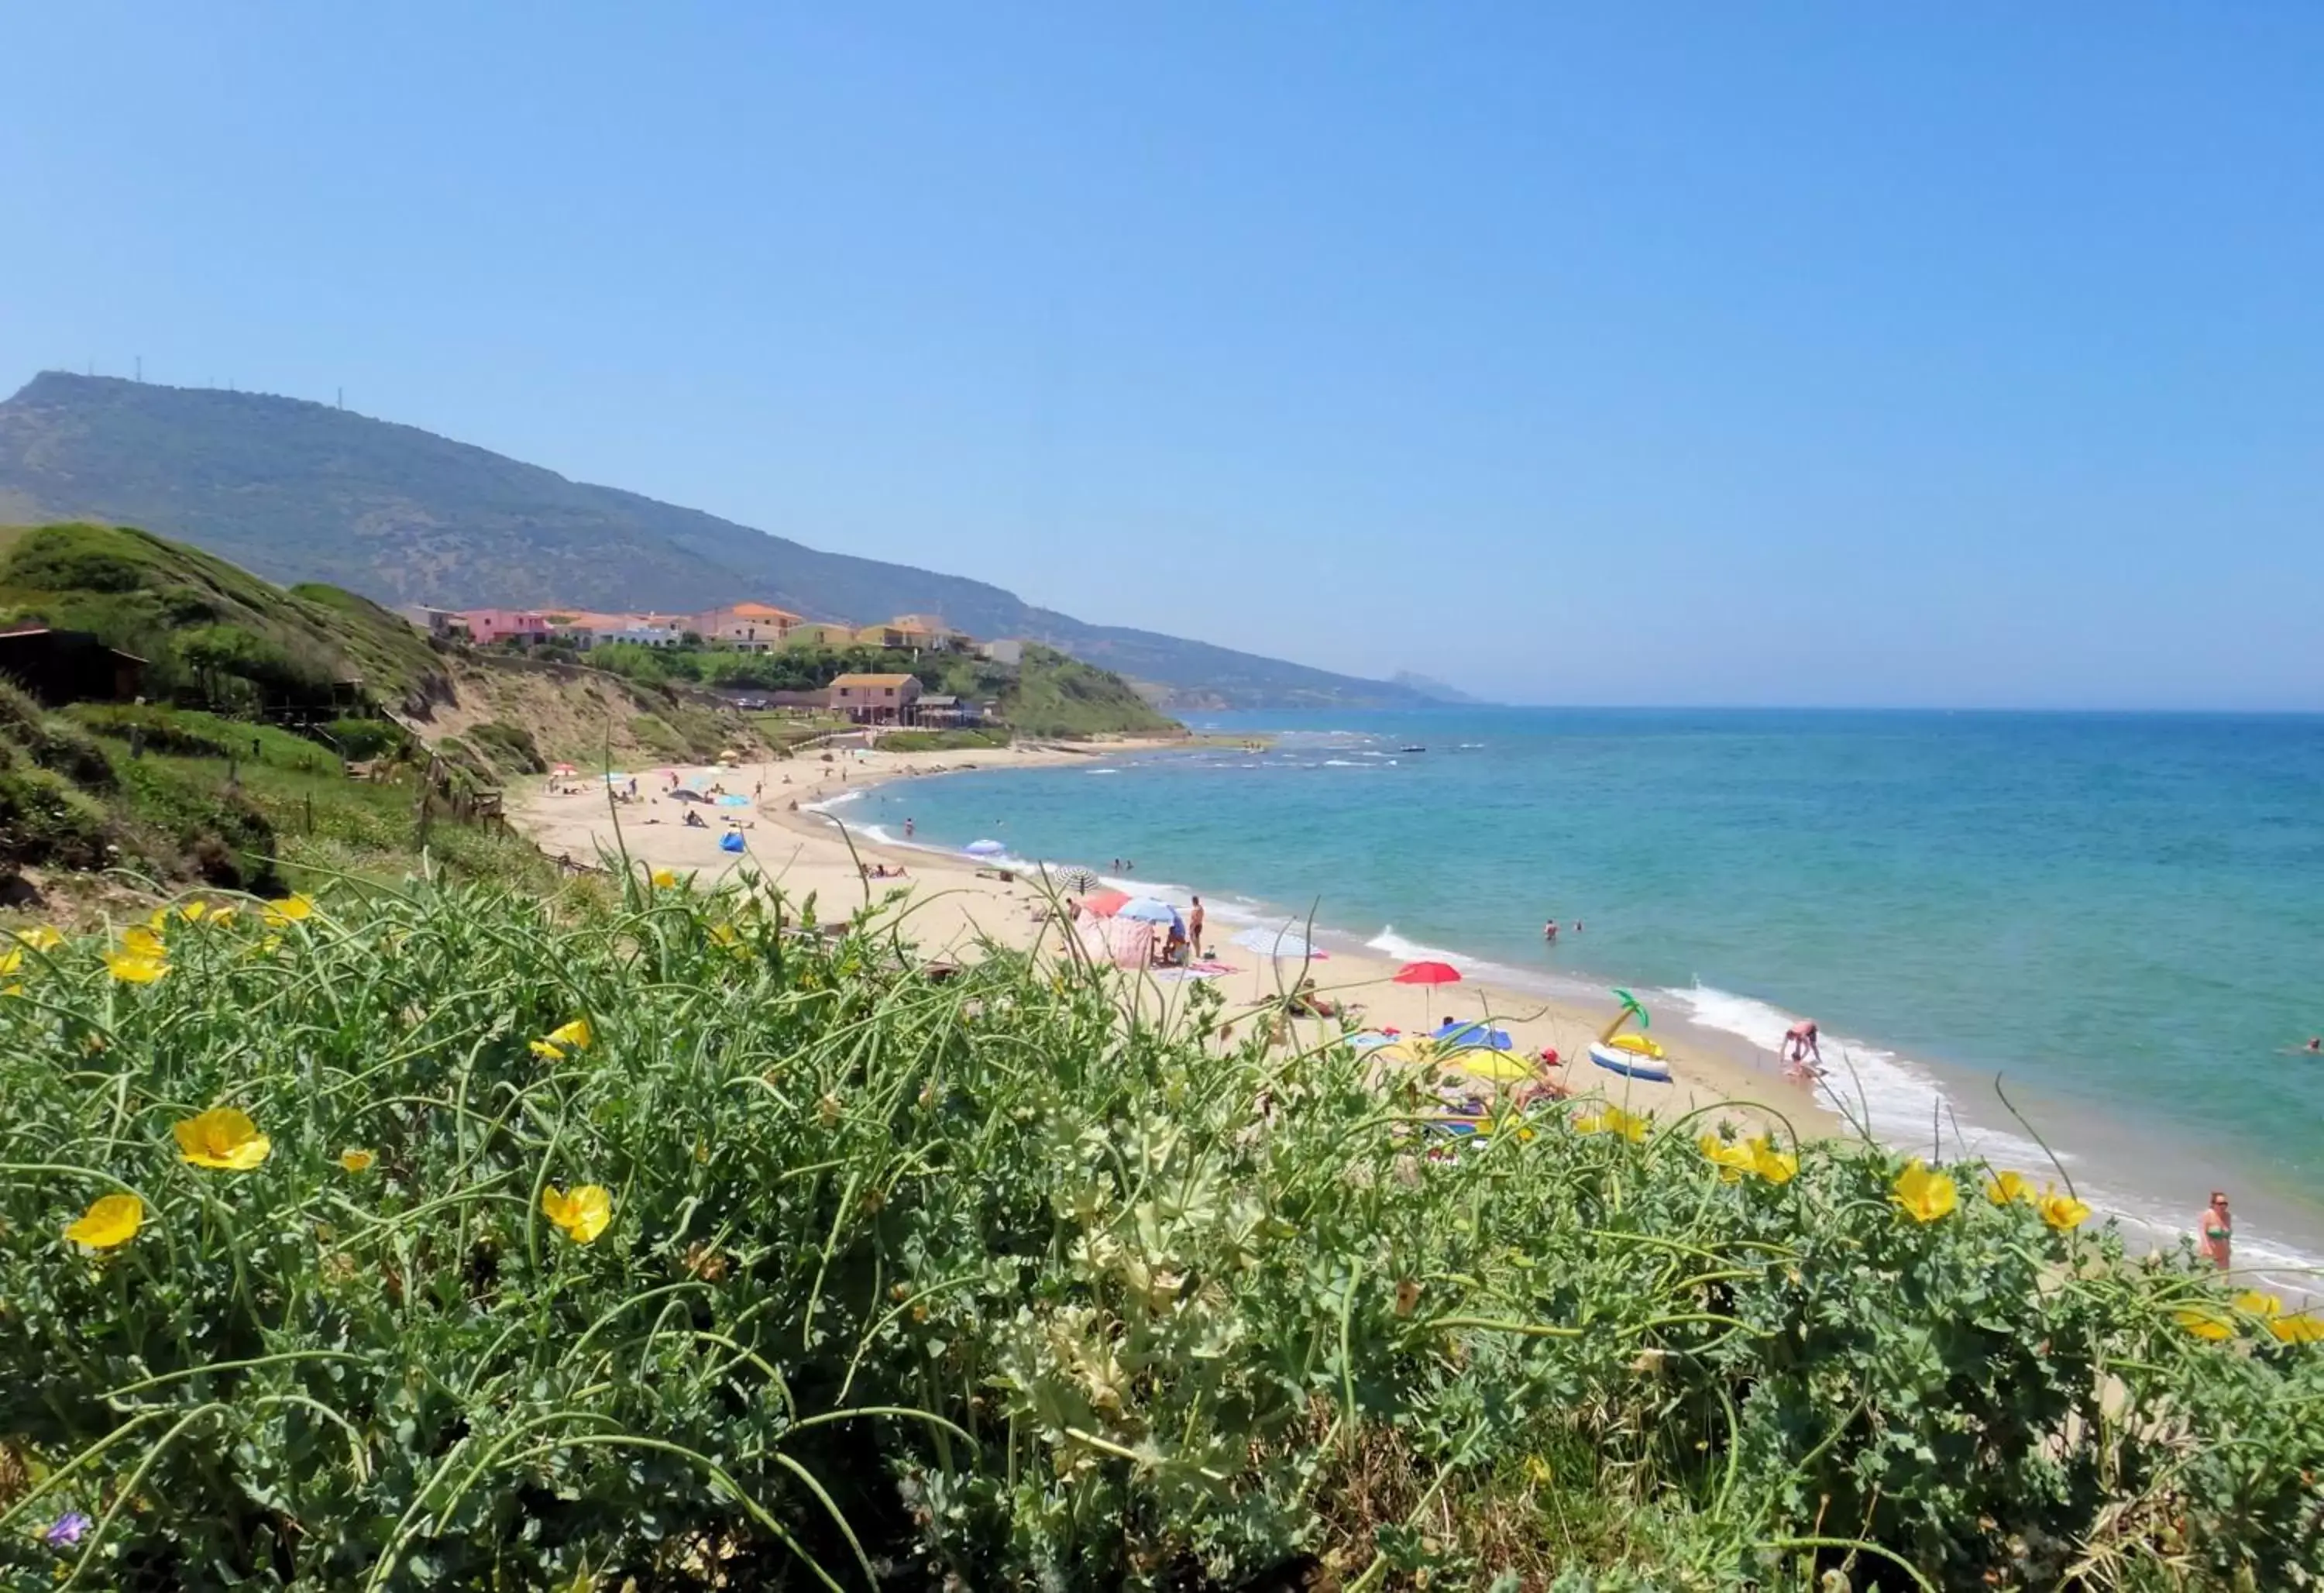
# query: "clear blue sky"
x,y
1954,353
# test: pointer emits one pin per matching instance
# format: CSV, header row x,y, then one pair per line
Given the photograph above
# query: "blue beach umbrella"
x,y
1147,909
1452,1034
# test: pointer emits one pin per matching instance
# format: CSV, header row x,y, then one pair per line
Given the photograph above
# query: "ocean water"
x,y
2122,915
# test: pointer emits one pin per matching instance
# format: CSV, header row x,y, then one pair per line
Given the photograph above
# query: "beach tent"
x,y
730,842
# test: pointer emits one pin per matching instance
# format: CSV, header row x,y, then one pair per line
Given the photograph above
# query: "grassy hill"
x,y
232,773
302,492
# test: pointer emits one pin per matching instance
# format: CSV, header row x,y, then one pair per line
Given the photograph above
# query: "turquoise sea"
x,y
2124,914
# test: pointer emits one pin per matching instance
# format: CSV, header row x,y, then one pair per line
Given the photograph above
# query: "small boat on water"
x,y
1412,749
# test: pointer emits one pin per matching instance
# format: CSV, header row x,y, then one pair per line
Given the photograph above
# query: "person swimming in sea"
x,y
1549,932
2215,1230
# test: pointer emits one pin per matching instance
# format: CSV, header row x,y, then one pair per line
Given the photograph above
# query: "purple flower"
x,y
66,1531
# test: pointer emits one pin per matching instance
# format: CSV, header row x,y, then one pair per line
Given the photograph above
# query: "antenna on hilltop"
x,y
342,398
140,367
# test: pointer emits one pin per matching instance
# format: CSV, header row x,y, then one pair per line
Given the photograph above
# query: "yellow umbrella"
x,y
1479,1062
1502,1067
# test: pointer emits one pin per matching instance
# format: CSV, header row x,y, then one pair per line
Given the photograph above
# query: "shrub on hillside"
x,y
472,1248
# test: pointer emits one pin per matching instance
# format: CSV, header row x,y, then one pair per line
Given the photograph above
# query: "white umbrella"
x,y
1147,909
1275,942
987,849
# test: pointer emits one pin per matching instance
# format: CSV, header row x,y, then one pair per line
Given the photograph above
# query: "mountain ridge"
x,y
299,491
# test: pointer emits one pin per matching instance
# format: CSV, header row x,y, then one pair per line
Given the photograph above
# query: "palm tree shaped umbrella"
x,y
1632,1007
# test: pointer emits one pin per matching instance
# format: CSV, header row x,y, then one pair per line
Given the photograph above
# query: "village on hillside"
x,y
865,697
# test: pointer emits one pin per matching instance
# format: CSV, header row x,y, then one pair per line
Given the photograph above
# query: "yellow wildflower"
x,y
2003,1187
139,942
194,911
11,959
663,879
110,1220
582,1214
1774,1165
2062,1212
355,1160
2206,1324
290,910
1613,1120
1732,1160
40,937
2307,1327
135,967
222,1138
563,1041
1925,1195
2255,1303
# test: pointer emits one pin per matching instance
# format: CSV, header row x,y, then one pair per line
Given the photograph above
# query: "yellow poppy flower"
x,y
582,1214
563,1040
135,967
2307,1327
2003,1188
355,1160
1925,1195
1774,1165
1613,1120
194,911
2256,1304
663,879
290,910
1732,1160
139,942
11,959
110,1220
2062,1212
2206,1324
222,1138
223,916
40,937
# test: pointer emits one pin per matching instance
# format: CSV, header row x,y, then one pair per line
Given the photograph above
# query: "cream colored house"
x,y
747,628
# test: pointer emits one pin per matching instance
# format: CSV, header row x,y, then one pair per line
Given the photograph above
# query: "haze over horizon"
x,y
1802,355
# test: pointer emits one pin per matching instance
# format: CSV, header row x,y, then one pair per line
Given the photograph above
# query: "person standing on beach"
x,y
2217,1229
1195,927
908,829
1803,1057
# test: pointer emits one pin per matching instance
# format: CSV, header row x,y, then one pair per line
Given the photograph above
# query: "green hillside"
x,y
204,625
304,492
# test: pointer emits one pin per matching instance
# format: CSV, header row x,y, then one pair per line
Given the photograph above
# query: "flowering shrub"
x,y
425,1242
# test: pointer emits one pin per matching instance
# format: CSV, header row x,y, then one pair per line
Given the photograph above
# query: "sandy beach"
x,y
955,902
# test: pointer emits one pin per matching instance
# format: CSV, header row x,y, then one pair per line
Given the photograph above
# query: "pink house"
x,y
488,626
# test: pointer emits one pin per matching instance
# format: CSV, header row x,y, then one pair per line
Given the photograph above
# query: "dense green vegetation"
x,y
436,1239
211,633
1049,694
304,492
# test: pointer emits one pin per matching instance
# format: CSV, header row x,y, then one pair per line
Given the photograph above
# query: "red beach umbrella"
x,y
1431,974
1106,903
